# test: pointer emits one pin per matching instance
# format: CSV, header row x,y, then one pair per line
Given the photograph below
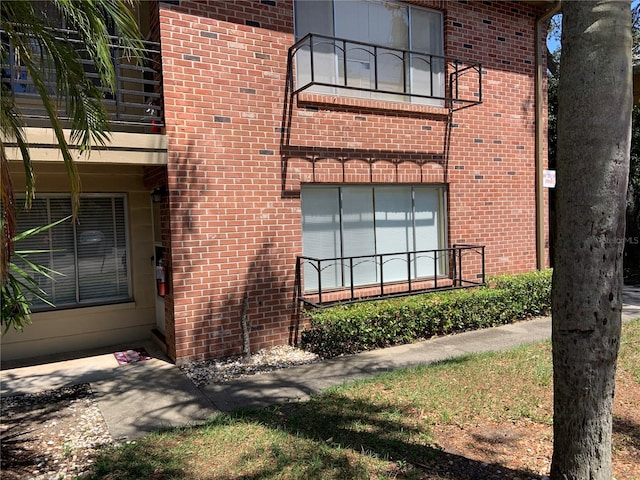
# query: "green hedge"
x,y
364,326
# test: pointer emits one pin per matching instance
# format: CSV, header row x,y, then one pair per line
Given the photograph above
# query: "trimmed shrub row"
x,y
354,328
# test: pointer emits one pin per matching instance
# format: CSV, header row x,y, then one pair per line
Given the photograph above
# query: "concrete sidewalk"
x,y
141,397
134,399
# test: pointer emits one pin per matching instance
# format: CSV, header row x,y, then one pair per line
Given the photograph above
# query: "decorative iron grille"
x,y
461,266
462,88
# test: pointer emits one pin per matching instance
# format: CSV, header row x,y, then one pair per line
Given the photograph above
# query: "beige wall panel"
x,y
77,329
145,149
51,177
141,247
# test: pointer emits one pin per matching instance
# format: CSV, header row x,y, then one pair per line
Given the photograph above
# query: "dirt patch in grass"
x,y
523,444
528,446
516,445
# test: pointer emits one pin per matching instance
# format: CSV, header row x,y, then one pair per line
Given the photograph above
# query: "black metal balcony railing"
x,y
324,61
461,266
136,102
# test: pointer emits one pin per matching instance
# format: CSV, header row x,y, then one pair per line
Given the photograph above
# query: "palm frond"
x,y
43,228
88,19
19,284
44,52
34,267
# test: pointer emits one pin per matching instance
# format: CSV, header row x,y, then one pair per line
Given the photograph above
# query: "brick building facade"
x,y
239,155
257,173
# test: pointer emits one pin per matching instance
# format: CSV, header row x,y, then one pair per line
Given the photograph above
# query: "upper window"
x,y
90,256
372,49
389,230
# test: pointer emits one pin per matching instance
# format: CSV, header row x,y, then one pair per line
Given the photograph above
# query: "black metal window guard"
x,y
461,272
463,89
137,100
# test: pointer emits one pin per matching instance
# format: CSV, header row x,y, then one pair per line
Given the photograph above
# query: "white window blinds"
x,y
372,225
89,256
392,27
321,235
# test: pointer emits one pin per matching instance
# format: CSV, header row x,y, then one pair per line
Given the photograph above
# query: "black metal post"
x,y
375,67
298,279
319,282
404,71
311,56
351,277
381,276
431,74
344,61
409,270
457,81
454,275
435,269
480,93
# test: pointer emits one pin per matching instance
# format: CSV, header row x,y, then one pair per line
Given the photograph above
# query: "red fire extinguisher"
x,y
161,278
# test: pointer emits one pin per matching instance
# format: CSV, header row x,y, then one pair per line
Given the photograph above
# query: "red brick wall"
x,y
234,208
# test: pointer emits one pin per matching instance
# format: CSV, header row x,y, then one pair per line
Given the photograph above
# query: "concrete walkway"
x,y
141,397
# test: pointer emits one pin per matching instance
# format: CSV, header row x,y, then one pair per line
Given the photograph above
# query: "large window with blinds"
x,y
369,221
391,47
90,256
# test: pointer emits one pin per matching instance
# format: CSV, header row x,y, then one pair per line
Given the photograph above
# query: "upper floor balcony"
x,y
135,106
329,65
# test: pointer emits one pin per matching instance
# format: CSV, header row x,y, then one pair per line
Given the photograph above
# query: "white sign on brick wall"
x,y
549,179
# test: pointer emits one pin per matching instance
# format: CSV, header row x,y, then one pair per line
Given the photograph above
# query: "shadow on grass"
x,y
628,430
23,421
381,431
330,436
15,459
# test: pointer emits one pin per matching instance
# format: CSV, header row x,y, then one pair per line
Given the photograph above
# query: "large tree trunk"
x,y
594,129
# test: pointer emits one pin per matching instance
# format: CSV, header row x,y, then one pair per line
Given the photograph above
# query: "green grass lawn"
x,y
386,427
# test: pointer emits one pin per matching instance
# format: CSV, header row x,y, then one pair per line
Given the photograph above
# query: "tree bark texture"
x,y
594,130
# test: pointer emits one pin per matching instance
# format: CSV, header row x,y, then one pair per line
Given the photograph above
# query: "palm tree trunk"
x,y
594,129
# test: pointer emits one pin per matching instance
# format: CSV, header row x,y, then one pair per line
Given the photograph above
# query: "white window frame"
x,y
78,302
337,240
303,59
